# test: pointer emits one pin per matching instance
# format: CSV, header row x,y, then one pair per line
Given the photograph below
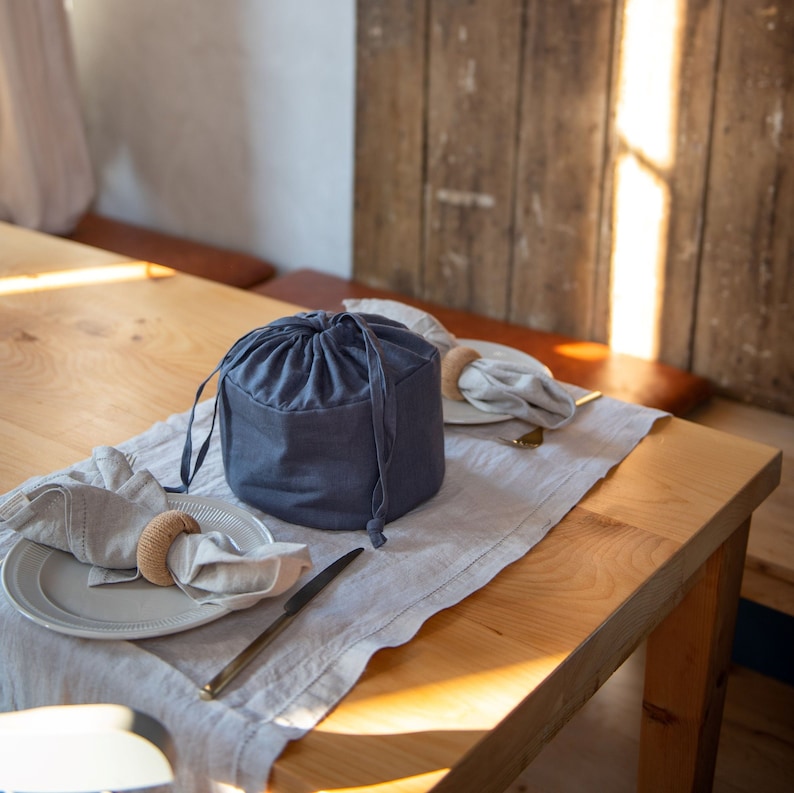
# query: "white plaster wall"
x,y
227,122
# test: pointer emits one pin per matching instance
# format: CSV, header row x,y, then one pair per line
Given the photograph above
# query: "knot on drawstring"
x,y
384,422
308,321
375,532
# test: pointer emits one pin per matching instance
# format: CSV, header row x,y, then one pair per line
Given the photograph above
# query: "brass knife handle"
x,y
244,657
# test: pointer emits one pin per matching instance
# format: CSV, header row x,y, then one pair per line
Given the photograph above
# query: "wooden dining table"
x,y
96,347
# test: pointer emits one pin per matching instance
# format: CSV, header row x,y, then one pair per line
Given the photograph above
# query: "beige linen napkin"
x,y
97,510
488,384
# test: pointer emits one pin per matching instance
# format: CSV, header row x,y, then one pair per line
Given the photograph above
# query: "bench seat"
x,y
187,256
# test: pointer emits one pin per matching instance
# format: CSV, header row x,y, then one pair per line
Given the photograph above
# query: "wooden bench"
x,y
187,256
583,363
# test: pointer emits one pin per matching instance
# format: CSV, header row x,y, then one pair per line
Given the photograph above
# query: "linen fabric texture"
x,y
332,421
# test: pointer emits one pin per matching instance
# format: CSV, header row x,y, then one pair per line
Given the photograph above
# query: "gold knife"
x,y
291,608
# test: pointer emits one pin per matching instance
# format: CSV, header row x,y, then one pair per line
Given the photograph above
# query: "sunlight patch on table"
x,y
86,276
583,350
472,702
224,787
410,784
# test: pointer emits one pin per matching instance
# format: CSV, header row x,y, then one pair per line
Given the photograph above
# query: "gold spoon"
x,y
534,438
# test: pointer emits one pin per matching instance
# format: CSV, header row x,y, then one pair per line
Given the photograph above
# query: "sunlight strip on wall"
x,y
638,255
646,120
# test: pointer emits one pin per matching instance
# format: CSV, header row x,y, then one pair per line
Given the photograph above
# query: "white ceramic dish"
x,y
51,588
463,412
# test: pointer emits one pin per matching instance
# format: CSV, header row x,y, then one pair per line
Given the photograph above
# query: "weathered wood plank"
x,y
599,315
390,107
471,139
698,45
745,322
564,106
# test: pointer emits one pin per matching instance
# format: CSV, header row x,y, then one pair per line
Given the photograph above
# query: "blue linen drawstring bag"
x,y
332,421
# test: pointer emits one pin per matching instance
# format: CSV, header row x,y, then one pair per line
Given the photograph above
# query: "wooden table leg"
x,y
686,675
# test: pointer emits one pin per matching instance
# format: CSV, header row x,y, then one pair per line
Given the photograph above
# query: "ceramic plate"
x,y
51,588
463,412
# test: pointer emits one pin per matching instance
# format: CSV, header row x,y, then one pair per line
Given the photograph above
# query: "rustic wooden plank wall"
x,y
487,147
390,102
744,335
564,116
472,93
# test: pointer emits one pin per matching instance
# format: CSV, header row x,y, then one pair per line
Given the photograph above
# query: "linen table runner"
x,y
495,504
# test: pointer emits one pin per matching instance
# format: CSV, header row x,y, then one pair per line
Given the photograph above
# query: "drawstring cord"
x,y
384,425
187,452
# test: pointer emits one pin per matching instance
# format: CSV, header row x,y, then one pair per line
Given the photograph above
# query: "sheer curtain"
x,y
46,181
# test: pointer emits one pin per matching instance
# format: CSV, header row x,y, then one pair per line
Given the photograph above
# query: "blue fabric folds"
x,y
332,421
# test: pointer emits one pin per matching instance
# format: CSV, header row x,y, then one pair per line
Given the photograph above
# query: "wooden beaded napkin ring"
x,y
155,541
452,364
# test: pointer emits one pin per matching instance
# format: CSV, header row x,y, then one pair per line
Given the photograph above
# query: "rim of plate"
x,y
21,576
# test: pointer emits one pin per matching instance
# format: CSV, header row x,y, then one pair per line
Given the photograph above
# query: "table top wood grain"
x,y
654,551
